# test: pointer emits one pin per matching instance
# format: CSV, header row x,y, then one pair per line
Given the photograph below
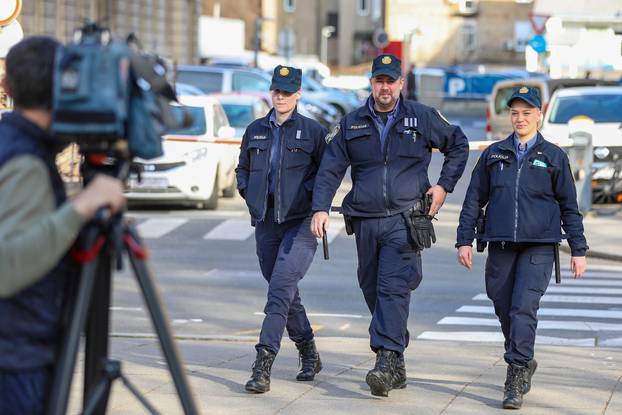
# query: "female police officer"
x,y
279,157
527,187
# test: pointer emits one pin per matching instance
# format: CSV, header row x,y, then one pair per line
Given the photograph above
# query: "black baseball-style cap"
x,y
286,78
387,65
529,94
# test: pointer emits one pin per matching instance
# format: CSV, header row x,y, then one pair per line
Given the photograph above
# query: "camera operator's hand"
x,y
103,191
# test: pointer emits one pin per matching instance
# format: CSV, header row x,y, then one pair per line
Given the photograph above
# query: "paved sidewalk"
x,y
443,378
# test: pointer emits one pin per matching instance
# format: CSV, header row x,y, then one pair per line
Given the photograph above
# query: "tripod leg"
x,y
160,322
97,327
63,373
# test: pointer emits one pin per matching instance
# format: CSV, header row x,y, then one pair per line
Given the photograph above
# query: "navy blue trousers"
x,y
23,393
285,253
388,270
517,275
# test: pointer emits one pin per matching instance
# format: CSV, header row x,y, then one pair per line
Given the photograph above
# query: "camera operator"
x,y
38,225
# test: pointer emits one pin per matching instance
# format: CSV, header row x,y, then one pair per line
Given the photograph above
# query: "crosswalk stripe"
x,y
549,312
487,336
568,299
335,228
616,276
582,290
357,316
542,324
617,342
231,230
156,228
592,282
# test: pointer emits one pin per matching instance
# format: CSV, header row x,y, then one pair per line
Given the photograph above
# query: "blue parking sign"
x,y
538,43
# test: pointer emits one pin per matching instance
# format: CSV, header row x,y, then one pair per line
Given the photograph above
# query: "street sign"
x,y
380,38
538,22
9,10
538,43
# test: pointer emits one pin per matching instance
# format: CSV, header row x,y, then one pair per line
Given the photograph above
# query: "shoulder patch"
x,y
329,137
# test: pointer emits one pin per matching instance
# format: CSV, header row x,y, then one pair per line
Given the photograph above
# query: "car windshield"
x,y
602,108
208,82
239,115
196,127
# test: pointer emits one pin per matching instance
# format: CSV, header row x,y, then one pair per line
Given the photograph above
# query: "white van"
x,y
603,105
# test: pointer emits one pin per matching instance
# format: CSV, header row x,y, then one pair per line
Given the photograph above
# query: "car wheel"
x,y
230,190
212,202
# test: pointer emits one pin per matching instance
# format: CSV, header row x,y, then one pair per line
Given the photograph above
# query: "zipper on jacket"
x,y
502,244
277,188
516,204
267,175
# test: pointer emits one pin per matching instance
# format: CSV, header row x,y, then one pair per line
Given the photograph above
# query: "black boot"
x,y
260,379
400,373
382,378
514,383
310,362
532,365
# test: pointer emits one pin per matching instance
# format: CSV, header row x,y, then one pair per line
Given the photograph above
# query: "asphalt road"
x,y
205,265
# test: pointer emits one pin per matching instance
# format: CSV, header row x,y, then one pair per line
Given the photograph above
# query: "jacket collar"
x,y
265,121
508,143
18,121
364,111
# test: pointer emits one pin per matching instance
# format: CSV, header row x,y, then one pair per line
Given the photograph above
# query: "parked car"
x,y
187,89
198,163
604,106
498,125
242,109
342,101
226,79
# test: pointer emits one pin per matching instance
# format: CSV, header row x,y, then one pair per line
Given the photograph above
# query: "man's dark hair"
x,y
29,69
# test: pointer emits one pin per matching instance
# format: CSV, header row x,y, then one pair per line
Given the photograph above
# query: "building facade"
x,y
168,27
449,32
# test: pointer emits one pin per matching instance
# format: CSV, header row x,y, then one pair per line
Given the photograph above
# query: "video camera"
x,y
109,96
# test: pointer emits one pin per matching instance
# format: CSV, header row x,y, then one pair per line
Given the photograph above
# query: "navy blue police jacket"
x,y
302,145
30,320
530,202
389,180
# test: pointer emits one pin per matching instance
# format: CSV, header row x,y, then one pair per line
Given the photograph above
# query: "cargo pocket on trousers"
x,y
413,274
541,266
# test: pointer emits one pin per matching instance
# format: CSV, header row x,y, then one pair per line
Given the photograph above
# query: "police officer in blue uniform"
x,y
526,185
388,144
279,157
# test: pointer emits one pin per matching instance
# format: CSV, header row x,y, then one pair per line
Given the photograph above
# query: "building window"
x,y
362,7
289,6
469,36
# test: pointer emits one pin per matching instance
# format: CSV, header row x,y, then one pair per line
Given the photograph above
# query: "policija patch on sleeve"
x,y
329,137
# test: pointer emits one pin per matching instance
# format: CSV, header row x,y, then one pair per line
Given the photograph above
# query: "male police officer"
x,y
279,158
388,143
526,185
37,227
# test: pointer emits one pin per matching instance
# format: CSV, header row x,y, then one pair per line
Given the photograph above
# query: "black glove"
x,y
423,231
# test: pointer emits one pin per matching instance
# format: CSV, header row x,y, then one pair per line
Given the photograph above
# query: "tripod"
x,y
101,243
